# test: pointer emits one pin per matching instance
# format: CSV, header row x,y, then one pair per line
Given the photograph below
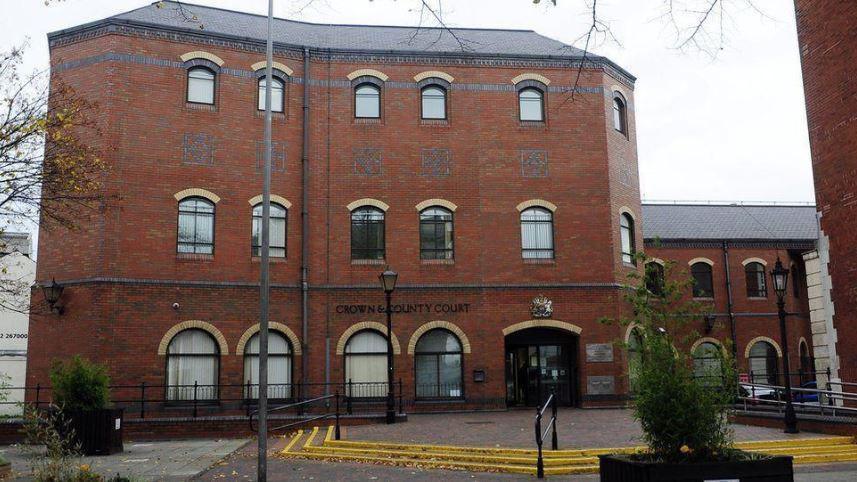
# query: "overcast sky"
x,y
725,129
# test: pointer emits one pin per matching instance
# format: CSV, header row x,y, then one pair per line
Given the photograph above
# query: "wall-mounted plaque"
x,y
599,352
600,385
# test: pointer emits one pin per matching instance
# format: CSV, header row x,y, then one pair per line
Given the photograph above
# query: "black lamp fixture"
x,y
710,319
780,278
53,292
388,282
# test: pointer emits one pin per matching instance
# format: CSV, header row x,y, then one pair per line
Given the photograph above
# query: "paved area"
x,y
576,429
167,461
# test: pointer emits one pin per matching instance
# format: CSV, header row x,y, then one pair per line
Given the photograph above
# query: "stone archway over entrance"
x,y
540,359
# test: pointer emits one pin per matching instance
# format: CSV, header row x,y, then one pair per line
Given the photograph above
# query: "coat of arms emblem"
x,y
541,307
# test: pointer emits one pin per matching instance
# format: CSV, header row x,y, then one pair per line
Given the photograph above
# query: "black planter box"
x,y
99,432
620,468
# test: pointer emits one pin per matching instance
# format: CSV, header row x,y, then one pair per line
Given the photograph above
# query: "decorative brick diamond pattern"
x,y
436,162
198,149
534,163
626,174
367,161
278,156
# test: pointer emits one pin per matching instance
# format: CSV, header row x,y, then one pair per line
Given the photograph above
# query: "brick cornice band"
x,y
274,199
366,325
368,202
276,65
201,54
537,202
531,76
561,325
189,324
433,73
369,72
465,343
195,191
275,326
762,338
436,202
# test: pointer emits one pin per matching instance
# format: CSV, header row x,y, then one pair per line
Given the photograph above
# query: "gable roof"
x,y
729,222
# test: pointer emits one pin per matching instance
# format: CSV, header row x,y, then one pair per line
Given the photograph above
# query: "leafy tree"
x,y
79,384
683,415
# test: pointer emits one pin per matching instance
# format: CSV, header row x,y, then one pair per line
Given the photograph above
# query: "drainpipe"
x,y
733,332
305,222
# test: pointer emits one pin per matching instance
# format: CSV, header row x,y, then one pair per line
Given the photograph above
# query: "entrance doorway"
x,y
541,361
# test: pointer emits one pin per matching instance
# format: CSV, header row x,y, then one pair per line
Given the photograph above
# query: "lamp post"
x,y
52,292
780,277
388,282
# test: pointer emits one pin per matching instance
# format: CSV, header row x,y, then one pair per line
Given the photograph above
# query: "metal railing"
x,y
335,414
827,402
540,435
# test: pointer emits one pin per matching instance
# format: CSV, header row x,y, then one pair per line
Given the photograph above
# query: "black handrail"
x,y
254,413
540,436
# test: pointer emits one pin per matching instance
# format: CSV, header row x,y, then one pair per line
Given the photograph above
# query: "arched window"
x,y
763,363
703,284
655,278
193,362
366,364
196,226
537,233
438,365
620,114
278,88
367,233
433,102
436,233
277,228
755,275
635,358
626,228
200,85
707,364
279,366
806,363
367,101
531,104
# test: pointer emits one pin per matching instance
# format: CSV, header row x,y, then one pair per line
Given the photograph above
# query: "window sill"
x,y
440,262
202,107
368,262
757,298
533,124
273,259
539,261
367,121
434,122
703,298
430,401
194,257
629,265
274,115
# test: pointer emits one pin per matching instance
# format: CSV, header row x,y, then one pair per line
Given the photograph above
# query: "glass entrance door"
x,y
533,372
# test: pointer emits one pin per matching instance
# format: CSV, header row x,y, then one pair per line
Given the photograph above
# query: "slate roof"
x,y
386,39
734,222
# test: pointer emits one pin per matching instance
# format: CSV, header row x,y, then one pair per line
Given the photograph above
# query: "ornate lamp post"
x,y
388,282
780,277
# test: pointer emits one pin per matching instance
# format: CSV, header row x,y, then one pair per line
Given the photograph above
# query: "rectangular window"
x,y
537,239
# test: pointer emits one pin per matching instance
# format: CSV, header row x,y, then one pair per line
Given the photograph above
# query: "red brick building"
x,y
828,45
508,206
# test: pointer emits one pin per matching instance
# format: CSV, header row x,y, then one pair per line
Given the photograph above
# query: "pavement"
x,y
162,461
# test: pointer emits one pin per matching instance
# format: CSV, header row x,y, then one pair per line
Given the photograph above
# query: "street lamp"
x,y
780,277
388,282
52,292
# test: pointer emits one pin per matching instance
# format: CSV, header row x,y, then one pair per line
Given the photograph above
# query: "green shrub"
x,y
79,384
683,417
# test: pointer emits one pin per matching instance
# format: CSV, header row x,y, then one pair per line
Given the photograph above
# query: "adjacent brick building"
x,y
499,183
828,50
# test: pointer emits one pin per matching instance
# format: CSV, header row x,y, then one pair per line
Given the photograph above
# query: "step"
x,y
824,449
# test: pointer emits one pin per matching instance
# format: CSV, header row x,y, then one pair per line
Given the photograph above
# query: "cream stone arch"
x,y
189,324
277,65
630,330
762,338
536,202
368,202
201,54
197,192
530,76
707,339
700,260
436,202
561,325
629,212
657,261
366,325
618,88
370,72
800,342
274,199
465,342
273,325
433,73
754,260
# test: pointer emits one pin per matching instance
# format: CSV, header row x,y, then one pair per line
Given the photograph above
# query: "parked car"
x,y
806,397
759,393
